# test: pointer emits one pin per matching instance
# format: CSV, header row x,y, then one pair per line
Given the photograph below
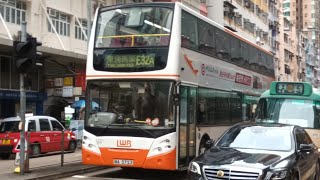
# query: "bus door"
x,y
187,130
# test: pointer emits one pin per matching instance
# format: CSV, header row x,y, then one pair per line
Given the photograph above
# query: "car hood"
x,y
249,158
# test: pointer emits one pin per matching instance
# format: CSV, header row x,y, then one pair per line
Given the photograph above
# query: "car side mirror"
x,y
306,147
209,143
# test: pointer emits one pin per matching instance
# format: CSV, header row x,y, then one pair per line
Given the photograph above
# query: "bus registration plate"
x,y
123,162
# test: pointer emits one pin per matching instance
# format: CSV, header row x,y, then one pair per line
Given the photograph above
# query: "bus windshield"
x,y
304,113
142,104
134,27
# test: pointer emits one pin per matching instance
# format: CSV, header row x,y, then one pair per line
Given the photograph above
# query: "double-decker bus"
x,y
296,103
166,80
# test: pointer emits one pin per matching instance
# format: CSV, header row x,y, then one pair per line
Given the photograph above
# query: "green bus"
x,y
296,103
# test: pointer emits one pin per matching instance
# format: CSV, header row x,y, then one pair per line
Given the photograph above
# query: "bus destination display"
x,y
130,61
289,88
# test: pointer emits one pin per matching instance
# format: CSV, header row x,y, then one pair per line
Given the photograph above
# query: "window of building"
x,y
287,69
286,38
238,20
286,13
78,31
313,15
306,15
60,21
305,6
286,55
286,5
13,11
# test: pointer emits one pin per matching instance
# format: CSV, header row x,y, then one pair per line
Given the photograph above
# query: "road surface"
x,y
7,166
116,173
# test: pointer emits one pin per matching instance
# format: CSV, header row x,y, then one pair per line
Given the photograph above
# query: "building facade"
x,y
61,27
303,15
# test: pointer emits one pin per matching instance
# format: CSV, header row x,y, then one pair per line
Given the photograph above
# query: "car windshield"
x,y
258,137
9,126
304,113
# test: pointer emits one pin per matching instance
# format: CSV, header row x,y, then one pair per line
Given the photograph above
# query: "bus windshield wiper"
x,y
137,127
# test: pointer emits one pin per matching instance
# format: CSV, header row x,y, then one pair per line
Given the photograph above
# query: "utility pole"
x,y
22,105
89,8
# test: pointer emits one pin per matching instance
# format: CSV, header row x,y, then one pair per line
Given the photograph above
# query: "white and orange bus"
x,y
166,79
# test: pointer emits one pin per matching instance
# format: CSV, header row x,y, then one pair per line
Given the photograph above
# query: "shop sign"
x,y
77,91
243,79
68,81
16,95
58,82
67,91
49,83
57,92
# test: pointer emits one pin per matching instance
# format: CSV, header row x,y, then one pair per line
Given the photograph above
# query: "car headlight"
x,y
277,175
194,167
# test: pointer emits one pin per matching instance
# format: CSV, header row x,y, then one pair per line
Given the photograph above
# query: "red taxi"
x,y
45,136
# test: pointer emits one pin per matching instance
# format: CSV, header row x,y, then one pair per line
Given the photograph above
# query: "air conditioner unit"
x,y
52,12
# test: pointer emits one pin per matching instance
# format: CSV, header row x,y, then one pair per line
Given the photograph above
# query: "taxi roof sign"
x,y
291,88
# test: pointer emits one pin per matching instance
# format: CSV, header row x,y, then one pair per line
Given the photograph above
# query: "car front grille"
x,y
212,173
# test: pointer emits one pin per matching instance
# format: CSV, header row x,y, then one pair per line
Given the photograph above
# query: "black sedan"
x,y
251,151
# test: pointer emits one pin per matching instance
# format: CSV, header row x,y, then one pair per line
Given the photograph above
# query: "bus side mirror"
x,y
176,99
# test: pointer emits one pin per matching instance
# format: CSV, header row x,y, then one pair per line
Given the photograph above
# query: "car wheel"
x,y
35,150
72,146
5,155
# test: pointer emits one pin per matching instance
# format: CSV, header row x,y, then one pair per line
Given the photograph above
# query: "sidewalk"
x,y
52,172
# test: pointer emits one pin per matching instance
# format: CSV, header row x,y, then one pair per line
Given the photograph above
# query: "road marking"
x,y
78,176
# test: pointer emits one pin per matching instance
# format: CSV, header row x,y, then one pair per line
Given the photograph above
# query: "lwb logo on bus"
x,y
123,143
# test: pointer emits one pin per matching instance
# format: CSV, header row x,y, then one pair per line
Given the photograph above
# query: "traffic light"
x,y
26,54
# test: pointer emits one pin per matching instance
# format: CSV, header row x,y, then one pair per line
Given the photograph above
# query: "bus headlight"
x,y
195,168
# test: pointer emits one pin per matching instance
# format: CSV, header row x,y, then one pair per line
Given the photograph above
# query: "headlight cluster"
x,y
195,168
277,175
